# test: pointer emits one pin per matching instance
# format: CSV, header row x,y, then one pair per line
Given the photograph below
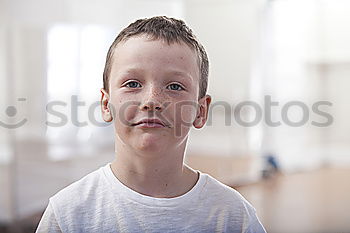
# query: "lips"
x,y
150,123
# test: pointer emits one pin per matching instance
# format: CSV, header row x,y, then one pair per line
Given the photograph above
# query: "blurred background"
x,y
278,127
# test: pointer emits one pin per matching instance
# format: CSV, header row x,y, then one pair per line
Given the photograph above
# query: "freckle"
x,y
166,184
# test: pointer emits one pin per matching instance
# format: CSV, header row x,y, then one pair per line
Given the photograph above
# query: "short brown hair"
x,y
164,28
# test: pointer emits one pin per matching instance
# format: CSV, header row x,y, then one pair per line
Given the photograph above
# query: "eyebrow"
x,y
170,73
132,70
180,73
125,73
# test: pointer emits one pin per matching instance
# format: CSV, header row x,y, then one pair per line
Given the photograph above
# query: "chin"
x,y
151,143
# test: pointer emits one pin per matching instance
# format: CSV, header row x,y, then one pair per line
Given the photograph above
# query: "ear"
x,y
202,113
106,111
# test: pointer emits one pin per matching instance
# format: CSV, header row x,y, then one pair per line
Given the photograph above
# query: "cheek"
x,y
124,111
185,114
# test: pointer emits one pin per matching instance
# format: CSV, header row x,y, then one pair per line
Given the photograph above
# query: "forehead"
x,y
141,52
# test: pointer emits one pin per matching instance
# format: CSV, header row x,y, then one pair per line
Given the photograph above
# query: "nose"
x,y
152,100
151,106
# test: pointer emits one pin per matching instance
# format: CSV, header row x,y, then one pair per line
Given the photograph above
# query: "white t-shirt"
x,y
99,202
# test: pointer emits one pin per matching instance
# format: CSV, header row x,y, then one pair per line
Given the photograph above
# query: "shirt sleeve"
x,y
48,222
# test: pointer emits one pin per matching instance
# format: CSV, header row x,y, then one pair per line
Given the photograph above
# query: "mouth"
x,y
149,123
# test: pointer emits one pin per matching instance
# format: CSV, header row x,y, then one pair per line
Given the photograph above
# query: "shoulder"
x,y
225,197
224,191
230,206
77,194
80,203
83,185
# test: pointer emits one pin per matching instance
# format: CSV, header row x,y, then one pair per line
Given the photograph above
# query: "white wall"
x,y
5,147
228,32
307,59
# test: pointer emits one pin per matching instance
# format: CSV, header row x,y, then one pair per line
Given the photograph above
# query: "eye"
x,y
133,84
175,87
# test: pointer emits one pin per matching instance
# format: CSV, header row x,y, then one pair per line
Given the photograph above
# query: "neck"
x,y
154,174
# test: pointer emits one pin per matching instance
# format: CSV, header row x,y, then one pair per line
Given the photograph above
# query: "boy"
x,y
155,83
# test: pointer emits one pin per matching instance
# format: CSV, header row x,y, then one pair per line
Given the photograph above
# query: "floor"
x,y
309,202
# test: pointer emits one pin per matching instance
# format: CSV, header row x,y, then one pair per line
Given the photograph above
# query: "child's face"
x,y
151,79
